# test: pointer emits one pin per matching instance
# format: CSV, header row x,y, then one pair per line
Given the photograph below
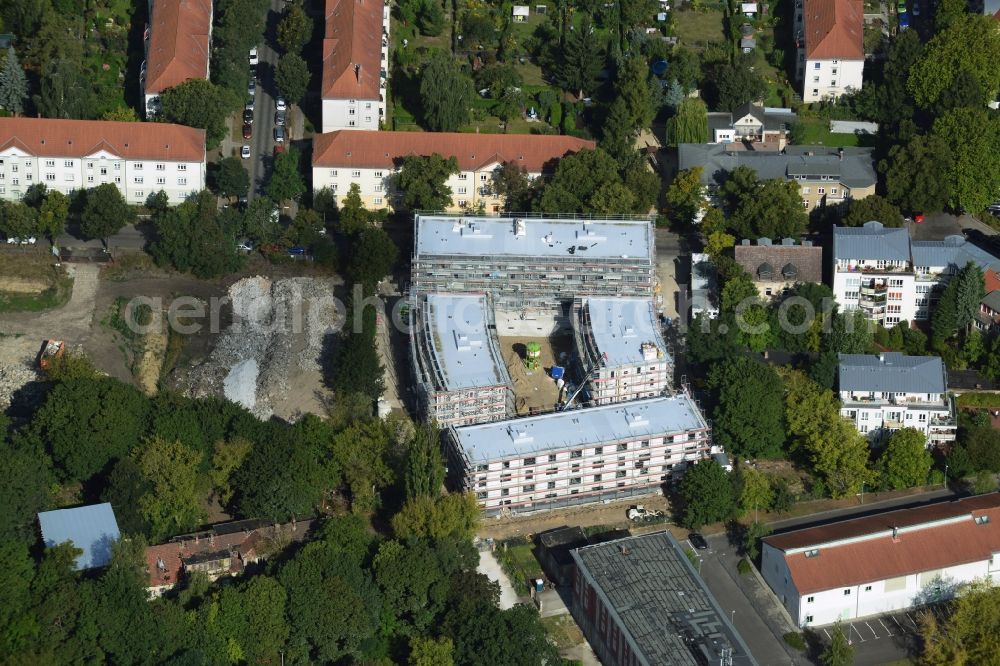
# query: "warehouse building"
x,y
577,456
460,376
533,267
639,602
883,563
620,349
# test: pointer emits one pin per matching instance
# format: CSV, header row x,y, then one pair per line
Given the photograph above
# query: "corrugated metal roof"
x,y
663,605
872,242
92,529
891,372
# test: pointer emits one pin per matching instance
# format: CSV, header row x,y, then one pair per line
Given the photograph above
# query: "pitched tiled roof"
x,y
806,259
891,372
535,152
927,538
352,49
178,43
833,29
51,137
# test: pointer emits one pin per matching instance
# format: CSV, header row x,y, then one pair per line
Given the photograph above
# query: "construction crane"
x,y
569,399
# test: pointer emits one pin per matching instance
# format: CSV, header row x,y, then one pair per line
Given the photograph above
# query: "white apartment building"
x,y
66,155
890,278
460,375
884,563
829,35
355,64
178,43
577,456
885,392
372,159
620,349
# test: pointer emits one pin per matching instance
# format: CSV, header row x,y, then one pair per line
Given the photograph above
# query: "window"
x,y
50,176
377,200
575,480
482,177
333,173
576,454
815,65
506,464
868,588
161,167
820,190
90,179
620,474
622,447
833,191
461,190
161,181
118,180
182,181
815,91
137,180
835,72
551,485
50,163
481,495
847,592
182,167
812,553
598,450
68,164
104,171
552,457
504,492
118,166
378,174
90,165
139,194
809,618
815,79
355,174
597,477
528,461
482,468
982,520
368,119
350,123
463,176
644,443
462,203
138,165
69,178
350,112
528,488
809,600
368,105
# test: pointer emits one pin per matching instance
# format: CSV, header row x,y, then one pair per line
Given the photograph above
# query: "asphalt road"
x,y
262,142
129,238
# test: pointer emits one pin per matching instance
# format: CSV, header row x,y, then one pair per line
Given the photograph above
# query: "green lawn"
x,y
52,297
699,28
816,131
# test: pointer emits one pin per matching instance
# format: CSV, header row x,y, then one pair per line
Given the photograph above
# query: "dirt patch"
x,y
563,631
13,285
534,390
147,366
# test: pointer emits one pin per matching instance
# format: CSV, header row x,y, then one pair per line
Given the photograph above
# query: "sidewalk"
x,y
489,567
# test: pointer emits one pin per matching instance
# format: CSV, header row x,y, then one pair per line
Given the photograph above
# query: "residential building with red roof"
x,y
178,44
370,159
66,155
355,64
885,562
831,55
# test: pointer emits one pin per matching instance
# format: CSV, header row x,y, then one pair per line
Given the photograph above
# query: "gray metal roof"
x,y
92,529
668,613
872,242
438,235
620,325
855,169
952,251
891,372
466,354
652,417
992,300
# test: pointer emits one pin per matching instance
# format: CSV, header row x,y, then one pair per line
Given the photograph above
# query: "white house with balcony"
x,y
140,159
578,456
886,392
829,35
881,272
885,562
355,64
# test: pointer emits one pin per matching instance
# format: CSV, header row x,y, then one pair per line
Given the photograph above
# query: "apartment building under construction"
x,y
460,376
530,265
619,348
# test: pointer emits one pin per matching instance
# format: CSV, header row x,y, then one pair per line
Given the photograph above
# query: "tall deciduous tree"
x,y
372,257
18,220
52,214
577,182
755,491
968,635
196,103
455,515
295,29
708,494
286,182
291,76
174,503
431,651
738,84
905,461
686,195
13,84
749,415
232,179
64,91
917,173
423,181
873,207
445,94
424,473
580,60
690,123
970,44
974,175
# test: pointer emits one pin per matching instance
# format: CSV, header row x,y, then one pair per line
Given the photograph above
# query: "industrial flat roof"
x,y
620,326
93,529
579,428
664,606
539,237
464,350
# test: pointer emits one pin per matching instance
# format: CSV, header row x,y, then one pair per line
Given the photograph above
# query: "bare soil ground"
x,y
534,390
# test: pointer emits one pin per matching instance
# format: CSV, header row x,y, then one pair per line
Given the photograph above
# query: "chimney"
x,y
895,533
357,72
840,153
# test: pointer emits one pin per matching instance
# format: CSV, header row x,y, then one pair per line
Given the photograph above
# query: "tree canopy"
x,y
291,76
872,207
445,94
424,181
286,183
707,493
748,419
197,103
905,462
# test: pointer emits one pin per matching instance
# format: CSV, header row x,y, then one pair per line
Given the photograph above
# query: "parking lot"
x,y
881,639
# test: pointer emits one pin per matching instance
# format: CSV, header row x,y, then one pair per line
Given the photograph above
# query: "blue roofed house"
x,y
885,392
93,529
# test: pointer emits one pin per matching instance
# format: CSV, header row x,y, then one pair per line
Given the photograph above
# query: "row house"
x,y
829,36
578,456
886,562
178,44
140,159
355,64
883,393
372,159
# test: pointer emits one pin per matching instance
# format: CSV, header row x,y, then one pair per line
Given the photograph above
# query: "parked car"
x,y
904,21
248,115
698,541
279,134
245,245
247,130
243,203
279,104
24,240
251,87
249,105
245,152
253,56
253,71
296,251
279,118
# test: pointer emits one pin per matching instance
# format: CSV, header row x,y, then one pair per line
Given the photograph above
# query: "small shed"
x,y
554,547
519,13
93,529
748,8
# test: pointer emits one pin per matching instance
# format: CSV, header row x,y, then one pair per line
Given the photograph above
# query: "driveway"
x,y
489,566
668,248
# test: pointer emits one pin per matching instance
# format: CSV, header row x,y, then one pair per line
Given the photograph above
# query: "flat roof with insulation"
x,y
465,352
621,326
